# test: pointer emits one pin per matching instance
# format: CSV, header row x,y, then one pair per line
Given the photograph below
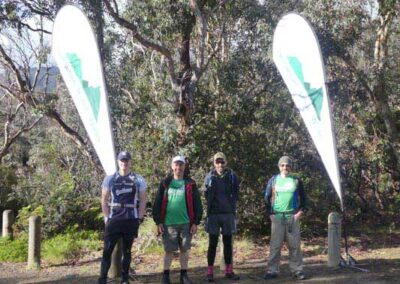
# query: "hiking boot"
x,y
270,275
165,279
184,279
299,275
232,276
210,277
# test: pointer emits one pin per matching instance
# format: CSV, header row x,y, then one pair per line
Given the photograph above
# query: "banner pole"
x,y
349,261
345,233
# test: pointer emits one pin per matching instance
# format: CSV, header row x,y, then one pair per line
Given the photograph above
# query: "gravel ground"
x,y
383,266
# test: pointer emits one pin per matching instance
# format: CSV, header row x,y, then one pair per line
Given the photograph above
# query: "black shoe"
x,y
210,277
299,275
165,279
232,276
102,281
184,279
270,275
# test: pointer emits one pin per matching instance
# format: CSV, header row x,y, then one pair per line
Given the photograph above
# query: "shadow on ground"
x,y
380,271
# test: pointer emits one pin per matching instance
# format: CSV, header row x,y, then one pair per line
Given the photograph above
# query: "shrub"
x,y
14,250
22,221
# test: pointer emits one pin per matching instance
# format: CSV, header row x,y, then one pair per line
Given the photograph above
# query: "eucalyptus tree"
x,y
47,168
26,27
188,35
359,40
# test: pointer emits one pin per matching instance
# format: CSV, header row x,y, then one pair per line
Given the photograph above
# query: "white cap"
x,y
179,159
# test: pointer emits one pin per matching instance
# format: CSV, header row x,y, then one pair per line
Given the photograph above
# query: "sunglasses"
x,y
222,162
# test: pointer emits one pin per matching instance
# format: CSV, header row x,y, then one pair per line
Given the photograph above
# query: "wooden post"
x,y
334,237
34,242
116,261
8,221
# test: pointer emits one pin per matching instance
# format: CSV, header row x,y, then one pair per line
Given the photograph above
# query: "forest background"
x,y
196,77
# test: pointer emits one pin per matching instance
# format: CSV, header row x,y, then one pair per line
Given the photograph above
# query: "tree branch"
x,y
75,137
22,24
21,83
202,32
42,12
8,91
145,42
8,141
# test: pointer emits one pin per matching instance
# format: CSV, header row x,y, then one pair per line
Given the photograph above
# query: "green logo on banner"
x,y
315,95
92,93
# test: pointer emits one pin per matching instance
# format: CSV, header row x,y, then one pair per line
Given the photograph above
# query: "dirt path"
x,y
383,265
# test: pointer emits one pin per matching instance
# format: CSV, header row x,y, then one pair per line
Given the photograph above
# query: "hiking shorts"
x,y
221,223
122,227
177,237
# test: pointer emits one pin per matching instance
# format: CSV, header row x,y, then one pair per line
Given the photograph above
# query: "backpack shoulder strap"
x,y
274,180
231,177
113,178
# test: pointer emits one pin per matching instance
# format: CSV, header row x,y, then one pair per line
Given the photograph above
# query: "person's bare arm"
x,y
142,204
105,196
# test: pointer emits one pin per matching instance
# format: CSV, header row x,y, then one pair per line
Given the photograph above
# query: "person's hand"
x,y
272,217
160,229
105,220
193,229
298,215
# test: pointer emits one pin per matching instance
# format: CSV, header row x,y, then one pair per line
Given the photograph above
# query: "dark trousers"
x,y
125,229
212,248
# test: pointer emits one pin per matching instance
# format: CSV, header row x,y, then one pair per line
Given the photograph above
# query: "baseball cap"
x,y
219,155
124,155
179,159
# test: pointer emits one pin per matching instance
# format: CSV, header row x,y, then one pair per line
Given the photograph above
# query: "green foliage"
x,y
8,179
15,250
61,196
21,224
69,245
241,106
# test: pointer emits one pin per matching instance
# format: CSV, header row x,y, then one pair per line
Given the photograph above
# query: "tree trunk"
x,y
184,100
379,90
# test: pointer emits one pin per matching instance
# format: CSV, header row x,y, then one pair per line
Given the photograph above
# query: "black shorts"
x,y
221,223
122,227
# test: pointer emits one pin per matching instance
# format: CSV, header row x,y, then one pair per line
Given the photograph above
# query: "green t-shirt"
x,y
176,207
285,194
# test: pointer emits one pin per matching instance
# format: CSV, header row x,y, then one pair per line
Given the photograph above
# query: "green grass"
x,y
147,242
14,250
59,249
70,245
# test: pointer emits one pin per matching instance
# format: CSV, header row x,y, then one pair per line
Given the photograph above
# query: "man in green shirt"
x,y
286,202
177,212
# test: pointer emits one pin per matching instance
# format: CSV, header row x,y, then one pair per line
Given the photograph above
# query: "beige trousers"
x,y
285,228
